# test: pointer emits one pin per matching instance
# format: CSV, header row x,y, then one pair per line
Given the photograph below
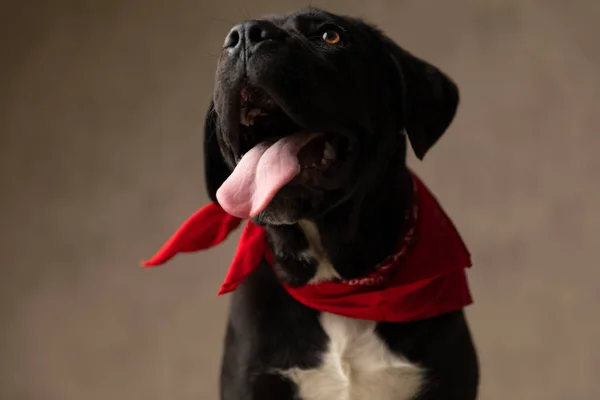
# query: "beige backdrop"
x,y
101,109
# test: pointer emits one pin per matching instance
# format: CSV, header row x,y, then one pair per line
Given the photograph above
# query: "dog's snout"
x,y
253,32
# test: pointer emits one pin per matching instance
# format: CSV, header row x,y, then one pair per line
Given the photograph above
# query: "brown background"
x,y
101,108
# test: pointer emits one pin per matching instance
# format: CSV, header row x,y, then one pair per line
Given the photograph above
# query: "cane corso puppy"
x,y
306,137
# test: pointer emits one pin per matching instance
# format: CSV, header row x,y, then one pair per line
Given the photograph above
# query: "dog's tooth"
x,y
323,161
255,112
244,120
329,152
247,116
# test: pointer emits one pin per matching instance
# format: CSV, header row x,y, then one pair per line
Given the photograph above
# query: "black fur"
x,y
369,92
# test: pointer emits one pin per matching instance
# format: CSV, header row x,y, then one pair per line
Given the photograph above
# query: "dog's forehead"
x,y
306,19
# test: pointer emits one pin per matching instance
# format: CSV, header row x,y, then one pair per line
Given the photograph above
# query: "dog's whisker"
x,y
223,20
245,12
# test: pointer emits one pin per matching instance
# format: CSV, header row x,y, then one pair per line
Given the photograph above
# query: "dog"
x,y
306,137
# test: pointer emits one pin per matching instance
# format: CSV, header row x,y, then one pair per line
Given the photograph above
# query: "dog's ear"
x,y
215,168
429,98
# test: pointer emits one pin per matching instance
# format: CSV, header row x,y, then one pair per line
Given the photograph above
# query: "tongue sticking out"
x,y
260,174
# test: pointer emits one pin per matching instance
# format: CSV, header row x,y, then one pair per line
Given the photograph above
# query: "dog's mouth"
x,y
275,151
262,120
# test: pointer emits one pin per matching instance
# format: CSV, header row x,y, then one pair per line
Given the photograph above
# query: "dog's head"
x,y
308,111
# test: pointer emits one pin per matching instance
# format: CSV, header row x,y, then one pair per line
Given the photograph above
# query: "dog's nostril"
x,y
256,34
260,31
232,39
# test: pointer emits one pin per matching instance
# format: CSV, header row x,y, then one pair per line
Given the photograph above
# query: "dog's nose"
x,y
253,32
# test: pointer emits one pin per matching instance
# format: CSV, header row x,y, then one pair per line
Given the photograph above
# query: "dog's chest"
x,y
357,365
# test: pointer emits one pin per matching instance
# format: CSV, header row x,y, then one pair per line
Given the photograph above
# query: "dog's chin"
x,y
281,211
293,203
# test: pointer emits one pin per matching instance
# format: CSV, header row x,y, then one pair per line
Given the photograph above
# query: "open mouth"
x,y
275,152
261,120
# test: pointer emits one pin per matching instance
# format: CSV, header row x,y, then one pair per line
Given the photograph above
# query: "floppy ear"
x,y
215,168
430,99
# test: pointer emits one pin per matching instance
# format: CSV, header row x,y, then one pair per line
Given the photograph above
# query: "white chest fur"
x,y
356,366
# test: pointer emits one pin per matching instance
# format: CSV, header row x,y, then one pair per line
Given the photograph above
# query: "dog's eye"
x,y
331,37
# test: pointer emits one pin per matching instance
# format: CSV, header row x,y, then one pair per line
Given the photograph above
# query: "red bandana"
x,y
424,278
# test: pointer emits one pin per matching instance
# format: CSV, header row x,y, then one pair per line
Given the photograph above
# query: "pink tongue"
x,y
260,174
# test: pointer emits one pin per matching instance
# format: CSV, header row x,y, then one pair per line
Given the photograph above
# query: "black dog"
x,y
305,137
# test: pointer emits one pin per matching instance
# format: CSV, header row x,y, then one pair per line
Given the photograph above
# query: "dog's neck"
x,y
350,240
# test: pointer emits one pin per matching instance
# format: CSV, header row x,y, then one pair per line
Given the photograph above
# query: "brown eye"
x,y
331,37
